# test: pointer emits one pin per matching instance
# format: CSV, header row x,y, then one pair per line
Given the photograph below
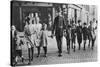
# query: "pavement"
x,y
88,55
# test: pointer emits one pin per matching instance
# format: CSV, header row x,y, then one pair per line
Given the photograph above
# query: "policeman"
x,y
85,34
79,33
58,27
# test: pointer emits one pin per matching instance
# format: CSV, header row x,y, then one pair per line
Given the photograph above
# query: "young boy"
x,y
73,36
85,34
79,34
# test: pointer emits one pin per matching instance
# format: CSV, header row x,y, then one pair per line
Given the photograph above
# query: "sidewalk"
x,y
74,57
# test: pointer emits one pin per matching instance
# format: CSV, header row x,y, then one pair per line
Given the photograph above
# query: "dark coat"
x,y
85,33
58,26
79,33
73,32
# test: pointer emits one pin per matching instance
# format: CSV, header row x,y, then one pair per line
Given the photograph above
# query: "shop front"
x,y
74,12
22,10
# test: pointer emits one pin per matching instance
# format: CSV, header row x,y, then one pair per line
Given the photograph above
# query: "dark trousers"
x,y
59,43
84,44
68,44
79,39
45,50
29,54
38,49
93,41
32,52
73,42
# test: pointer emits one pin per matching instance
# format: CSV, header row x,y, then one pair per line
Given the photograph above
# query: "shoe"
x,y
59,55
38,55
29,63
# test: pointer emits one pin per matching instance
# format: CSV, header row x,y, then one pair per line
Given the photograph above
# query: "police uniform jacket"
x,y
58,26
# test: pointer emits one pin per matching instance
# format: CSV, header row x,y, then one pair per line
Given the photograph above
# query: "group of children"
x,y
83,32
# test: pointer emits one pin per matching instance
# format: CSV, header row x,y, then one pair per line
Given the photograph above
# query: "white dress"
x,y
38,34
44,39
32,29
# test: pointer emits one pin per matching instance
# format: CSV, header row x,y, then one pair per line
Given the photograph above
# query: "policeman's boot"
x,y
60,52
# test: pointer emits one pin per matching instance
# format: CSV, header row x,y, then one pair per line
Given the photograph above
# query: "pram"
x,y
22,49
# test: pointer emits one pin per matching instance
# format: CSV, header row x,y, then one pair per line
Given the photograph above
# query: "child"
x,y
42,40
79,34
73,36
85,34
